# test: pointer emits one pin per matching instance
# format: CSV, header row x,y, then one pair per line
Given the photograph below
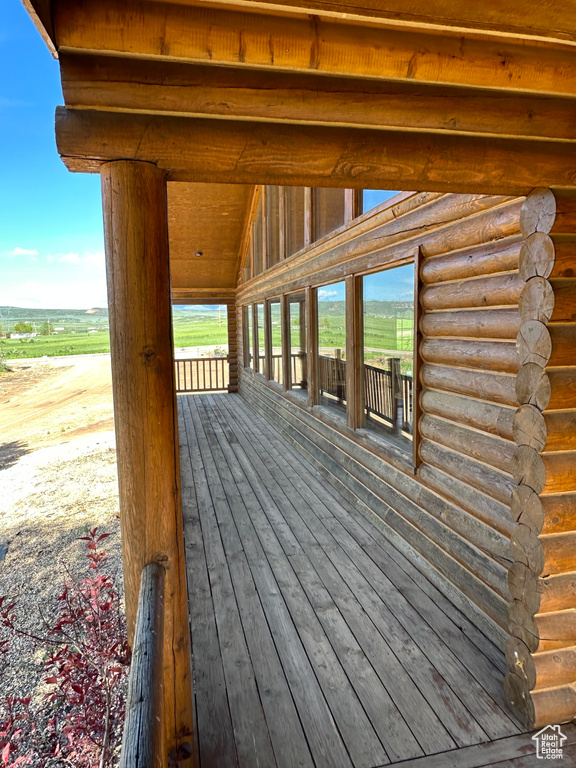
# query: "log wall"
x,y
489,510
541,650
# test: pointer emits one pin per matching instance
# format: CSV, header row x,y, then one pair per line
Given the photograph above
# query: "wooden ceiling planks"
x,y
207,219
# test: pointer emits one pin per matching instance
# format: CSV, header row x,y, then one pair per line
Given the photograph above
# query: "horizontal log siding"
x,y
453,515
490,512
469,323
542,619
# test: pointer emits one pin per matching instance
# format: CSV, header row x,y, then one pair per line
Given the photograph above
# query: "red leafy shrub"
x,y
80,721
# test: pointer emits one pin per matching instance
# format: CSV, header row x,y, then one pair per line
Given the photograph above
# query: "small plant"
x,y
80,720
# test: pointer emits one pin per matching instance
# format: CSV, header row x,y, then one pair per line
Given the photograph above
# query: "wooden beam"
x,y
196,90
203,295
40,11
136,239
258,153
550,20
329,46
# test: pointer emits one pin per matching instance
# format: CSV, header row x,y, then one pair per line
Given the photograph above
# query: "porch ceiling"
x,y
206,228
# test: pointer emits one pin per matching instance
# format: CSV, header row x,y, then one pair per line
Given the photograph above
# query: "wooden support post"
x,y
265,250
308,216
268,362
286,348
354,353
137,266
282,224
232,348
303,345
312,344
351,204
255,340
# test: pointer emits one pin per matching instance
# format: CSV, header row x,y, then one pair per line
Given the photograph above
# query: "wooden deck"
x,y
315,642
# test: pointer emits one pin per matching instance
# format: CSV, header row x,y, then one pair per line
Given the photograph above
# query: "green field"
x,y
193,327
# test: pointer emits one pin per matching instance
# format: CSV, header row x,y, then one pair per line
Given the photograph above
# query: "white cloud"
x,y
323,294
21,252
88,259
79,295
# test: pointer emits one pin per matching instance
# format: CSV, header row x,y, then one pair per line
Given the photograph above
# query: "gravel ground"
x,y
49,496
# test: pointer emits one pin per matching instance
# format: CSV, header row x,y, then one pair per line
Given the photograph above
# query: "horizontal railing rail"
x,y
202,374
142,739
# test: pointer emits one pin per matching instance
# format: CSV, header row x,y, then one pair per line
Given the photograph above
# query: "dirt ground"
x,y
57,481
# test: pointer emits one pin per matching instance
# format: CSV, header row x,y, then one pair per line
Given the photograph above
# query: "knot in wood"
x,y
149,357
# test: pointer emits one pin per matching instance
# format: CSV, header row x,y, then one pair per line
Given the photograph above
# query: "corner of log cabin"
x,y
541,650
490,512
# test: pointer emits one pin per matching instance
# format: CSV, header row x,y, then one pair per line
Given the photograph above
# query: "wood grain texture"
x,y
243,152
136,239
195,90
229,37
142,739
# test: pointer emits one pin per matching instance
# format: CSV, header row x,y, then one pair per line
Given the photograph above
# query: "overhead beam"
x,y
523,18
203,295
225,151
309,44
40,11
196,90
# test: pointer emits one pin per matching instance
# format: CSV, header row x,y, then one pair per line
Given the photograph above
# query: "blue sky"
x,y
51,241
395,284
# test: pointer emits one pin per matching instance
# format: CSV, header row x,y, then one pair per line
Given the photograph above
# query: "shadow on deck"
x,y
315,642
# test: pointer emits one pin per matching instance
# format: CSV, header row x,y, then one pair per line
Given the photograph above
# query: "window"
x,y
388,315
257,243
273,221
294,219
275,372
370,198
297,331
259,344
248,336
329,211
332,345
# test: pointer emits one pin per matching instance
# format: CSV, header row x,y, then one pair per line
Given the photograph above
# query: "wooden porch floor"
x,y
315,642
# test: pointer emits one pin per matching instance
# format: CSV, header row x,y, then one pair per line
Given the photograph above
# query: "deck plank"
x,y
410,631
250,728
321,731
513,752
357,732
331,647
215,735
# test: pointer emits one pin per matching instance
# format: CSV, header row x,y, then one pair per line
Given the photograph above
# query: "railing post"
x,y
143,737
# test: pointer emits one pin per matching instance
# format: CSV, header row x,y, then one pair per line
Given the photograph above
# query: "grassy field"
x,y
193,327
384,329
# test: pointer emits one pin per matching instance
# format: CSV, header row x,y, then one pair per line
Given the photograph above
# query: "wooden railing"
x,y
385,389
142,739
202,374
332,377
297,368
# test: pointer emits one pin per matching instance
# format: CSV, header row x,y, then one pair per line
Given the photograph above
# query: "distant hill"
x,y
29,313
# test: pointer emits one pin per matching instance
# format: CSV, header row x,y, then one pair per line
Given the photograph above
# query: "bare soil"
x,y
57,481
